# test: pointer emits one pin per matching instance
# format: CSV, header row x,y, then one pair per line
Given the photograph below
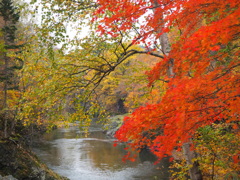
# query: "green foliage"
x,y
10,14
64,85
9,64
56,87
216,146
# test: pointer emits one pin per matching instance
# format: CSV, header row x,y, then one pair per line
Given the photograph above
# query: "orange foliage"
x,y
206,83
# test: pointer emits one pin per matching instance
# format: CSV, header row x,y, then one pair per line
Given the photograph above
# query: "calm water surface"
x,y
71,154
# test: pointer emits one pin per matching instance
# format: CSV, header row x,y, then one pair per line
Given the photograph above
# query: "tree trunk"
x,y
5,105
194,171
190,156
164,42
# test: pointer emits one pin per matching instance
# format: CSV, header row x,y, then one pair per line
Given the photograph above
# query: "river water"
x,y
72,154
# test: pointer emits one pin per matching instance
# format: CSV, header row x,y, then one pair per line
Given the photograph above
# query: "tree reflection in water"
x,y
71,154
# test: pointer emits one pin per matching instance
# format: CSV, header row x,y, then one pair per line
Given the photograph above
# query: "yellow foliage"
x,y
216,147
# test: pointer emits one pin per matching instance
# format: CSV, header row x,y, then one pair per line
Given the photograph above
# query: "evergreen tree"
x,y
8,65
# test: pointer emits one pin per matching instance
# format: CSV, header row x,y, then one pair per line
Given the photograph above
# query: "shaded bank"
x,y
19,162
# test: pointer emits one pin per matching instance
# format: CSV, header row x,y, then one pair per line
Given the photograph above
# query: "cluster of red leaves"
x,y
206,83
113,22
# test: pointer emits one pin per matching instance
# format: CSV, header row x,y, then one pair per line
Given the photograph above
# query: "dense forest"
x,y
171,66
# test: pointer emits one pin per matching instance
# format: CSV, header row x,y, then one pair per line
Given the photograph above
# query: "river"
x,y
72,154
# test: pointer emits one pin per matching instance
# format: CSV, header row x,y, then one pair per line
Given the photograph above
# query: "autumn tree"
x,y
10,62
199,65
125,88
203,86
58,78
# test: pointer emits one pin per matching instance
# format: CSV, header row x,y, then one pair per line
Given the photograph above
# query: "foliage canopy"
x,y
193,86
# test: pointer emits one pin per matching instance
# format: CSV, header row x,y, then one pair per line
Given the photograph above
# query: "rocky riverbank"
x,y
19,163
114,124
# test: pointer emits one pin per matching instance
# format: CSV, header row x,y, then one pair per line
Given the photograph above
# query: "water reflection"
x,y
94,157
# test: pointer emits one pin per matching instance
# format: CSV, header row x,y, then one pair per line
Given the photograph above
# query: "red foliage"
x,y
206,83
